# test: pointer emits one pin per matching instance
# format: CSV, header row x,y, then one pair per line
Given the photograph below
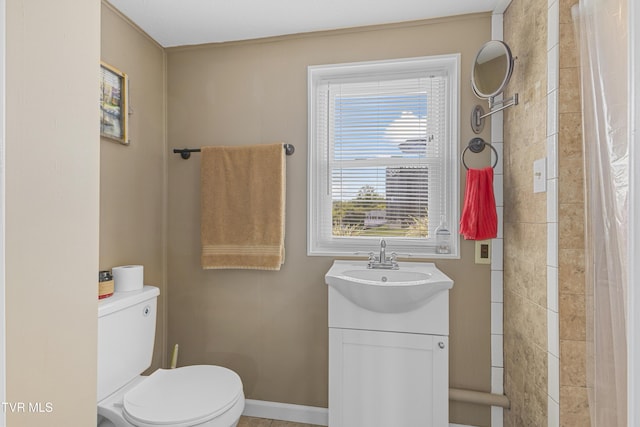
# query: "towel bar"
x,y
185,153
476,145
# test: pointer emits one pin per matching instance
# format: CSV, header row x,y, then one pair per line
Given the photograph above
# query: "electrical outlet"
x,y
483,251
540,175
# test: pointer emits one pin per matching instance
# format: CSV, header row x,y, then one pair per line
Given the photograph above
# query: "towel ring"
x,y
476,145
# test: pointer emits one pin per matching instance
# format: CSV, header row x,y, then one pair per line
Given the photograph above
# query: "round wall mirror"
x,y
492,69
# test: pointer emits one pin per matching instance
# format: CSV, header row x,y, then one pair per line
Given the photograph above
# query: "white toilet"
x,y
191,396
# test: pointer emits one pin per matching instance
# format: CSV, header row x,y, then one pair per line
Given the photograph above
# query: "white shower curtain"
x,y
603,58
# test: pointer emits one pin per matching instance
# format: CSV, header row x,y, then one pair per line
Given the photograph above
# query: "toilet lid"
x,y
182,396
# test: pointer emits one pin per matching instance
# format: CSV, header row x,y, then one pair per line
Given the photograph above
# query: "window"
x,y
383,161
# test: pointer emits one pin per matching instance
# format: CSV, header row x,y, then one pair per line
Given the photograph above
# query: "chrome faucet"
x,y
383,262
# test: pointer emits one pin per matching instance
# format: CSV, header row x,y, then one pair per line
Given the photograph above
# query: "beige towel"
x,y
243,205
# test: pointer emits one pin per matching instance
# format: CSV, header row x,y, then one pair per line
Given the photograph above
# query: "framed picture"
x,y
113,104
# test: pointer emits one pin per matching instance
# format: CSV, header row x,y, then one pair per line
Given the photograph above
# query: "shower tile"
x,y
552,244
499,146
572,317
497,326
553,333
571,225
569,93
537,319
565,11
553,410
553,30
497,380
552,156
497,286
553,66
498,189
497,357
570,135
513,416
572,371
568,47
535,400
571,279
497,133
552,288
552,112
538,368
497,416
571,180
554,377
575,407
497,252
552,200
497,24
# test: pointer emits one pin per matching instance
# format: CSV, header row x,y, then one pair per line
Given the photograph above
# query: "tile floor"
x,y
263,422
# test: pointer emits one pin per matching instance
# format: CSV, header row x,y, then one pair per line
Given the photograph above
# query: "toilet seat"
x,y
182,397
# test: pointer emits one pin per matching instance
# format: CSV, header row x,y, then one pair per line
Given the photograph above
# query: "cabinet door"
x,y
384,379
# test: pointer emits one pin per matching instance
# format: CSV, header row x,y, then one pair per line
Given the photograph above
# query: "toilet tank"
x,y
126,334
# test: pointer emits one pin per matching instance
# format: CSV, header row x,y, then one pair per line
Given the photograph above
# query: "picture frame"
x,y
114,109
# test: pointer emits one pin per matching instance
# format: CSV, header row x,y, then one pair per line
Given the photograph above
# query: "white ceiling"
x,y
189,22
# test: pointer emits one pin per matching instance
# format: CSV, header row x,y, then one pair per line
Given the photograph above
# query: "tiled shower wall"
x,y
544,290
574,409
525,233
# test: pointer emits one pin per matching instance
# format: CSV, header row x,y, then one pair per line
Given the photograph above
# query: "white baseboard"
x,y
293,413
286,412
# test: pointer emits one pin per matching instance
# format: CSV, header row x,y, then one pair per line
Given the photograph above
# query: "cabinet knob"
x,y
441,344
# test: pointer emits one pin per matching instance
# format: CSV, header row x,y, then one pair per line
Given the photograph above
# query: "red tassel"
x,y
479,220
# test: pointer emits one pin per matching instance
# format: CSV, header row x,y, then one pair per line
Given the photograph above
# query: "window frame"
x,y
318,171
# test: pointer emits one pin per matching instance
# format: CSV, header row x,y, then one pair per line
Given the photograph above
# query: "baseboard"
x,y
293,413
286,412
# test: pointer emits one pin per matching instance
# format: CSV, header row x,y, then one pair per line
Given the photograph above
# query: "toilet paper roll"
x,y
128,278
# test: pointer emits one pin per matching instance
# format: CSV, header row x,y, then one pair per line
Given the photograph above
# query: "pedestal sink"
x,y
387,291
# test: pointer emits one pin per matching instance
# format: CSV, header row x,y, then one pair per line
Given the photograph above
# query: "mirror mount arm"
x,y
492,103
478,115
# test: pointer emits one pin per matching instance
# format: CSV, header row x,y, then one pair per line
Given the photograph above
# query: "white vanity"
x,y
388,345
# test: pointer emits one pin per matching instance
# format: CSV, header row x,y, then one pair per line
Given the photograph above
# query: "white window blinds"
x,y
383,144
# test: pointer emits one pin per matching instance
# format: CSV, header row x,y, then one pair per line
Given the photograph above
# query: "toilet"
x,y
190,396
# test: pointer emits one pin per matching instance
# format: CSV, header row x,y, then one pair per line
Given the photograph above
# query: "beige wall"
x,y
52,173
574,406
271,327
133,177
525,228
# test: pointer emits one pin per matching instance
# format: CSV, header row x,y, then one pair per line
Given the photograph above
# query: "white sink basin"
x,y
387,291
380,277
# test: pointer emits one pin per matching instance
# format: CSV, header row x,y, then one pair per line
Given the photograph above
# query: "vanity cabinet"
x,y
388,346
382,379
